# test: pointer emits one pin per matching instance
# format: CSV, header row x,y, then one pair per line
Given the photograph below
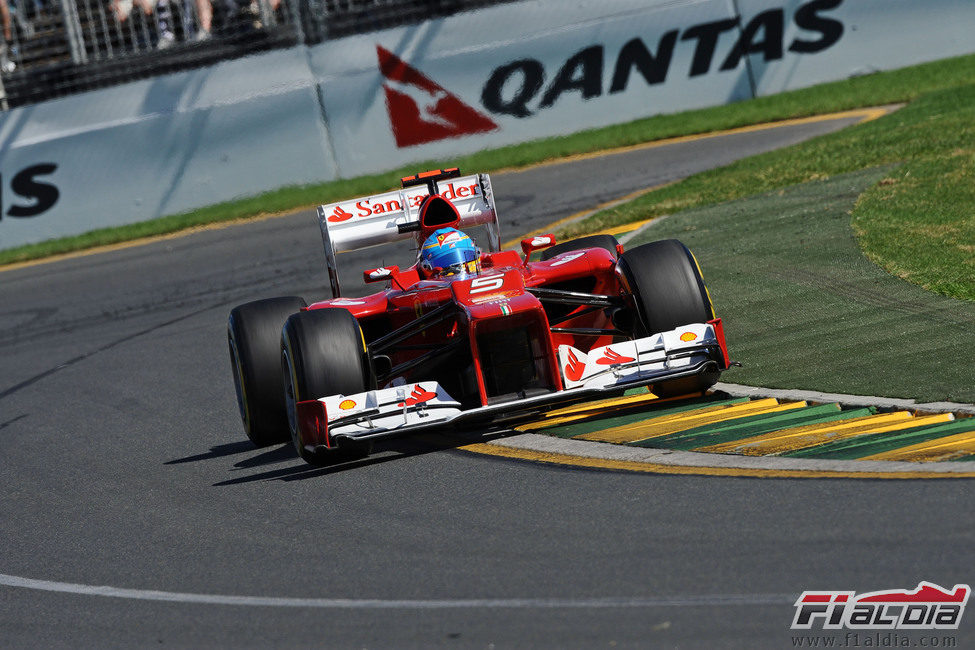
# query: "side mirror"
x,y
536,243
380,274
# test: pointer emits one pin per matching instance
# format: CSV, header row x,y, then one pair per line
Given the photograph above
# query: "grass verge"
x,y
918,223
803,308
883,88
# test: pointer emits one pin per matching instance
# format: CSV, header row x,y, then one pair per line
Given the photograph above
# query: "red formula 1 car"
x,y
494,339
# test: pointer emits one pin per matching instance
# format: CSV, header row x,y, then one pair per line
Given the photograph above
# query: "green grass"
x,y
804,308
889,87
918,223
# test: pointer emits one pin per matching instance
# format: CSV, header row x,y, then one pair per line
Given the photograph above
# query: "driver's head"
x,y
448,252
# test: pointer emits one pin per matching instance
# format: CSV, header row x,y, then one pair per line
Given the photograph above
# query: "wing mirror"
x,y
536,243
380,274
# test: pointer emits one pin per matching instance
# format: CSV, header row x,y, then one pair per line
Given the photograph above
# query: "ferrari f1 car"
x,y
493,339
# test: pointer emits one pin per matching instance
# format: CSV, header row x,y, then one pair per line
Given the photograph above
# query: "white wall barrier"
x,y
160,146
852,37
452,86
442,88
553,68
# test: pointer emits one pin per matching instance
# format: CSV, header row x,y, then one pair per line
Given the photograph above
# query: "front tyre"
x,y
668,291
322,353
254,335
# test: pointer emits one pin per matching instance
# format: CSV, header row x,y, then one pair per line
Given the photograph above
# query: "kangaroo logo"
x,y
420,110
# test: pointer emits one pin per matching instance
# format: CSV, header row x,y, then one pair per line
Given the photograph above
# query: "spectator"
x,y
226,15
204,18
123,8
5,15
6,65
195,25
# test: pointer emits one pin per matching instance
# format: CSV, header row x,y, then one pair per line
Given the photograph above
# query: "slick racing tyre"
x,y
607,242
668,291
254,336
322,353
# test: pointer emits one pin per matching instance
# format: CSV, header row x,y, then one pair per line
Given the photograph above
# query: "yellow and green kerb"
x,y
765,427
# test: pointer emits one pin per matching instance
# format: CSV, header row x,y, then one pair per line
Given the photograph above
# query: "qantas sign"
x,y
421,111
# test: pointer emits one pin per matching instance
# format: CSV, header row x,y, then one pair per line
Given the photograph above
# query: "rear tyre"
x,y
668,291
254,337
323,352
607,242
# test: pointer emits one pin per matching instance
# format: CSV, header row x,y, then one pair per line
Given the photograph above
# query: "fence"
x,y
53,48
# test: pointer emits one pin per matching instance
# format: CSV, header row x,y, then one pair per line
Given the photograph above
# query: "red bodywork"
x,y
494,313
486,339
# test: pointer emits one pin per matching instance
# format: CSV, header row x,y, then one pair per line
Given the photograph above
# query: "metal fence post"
x,y
294,9
72,29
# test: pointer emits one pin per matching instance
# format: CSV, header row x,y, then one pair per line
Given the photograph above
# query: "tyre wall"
x,y
451,86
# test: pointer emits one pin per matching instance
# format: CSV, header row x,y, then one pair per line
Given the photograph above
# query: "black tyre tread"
x,y
326,348
669,291
666,285
607,242
328,352
256,330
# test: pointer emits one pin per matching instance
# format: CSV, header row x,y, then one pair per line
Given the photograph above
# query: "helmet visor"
x,y
458,261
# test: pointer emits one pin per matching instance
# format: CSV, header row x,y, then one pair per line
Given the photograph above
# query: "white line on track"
x,y
369,603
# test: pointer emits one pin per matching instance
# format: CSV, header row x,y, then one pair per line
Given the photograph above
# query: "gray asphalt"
x,y
122,463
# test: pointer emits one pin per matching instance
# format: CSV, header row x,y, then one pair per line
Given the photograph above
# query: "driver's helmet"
x,y
448,252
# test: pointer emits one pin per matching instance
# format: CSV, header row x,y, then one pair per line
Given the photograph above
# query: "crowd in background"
x,y
37,32
53,48
192,20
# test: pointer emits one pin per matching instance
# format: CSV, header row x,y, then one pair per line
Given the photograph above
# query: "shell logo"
x,y
688,336
347,404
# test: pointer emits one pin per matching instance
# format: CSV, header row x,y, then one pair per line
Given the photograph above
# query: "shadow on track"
x,y
383,452
218,451
4,425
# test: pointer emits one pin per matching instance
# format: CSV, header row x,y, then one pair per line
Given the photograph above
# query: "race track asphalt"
x,y
123,464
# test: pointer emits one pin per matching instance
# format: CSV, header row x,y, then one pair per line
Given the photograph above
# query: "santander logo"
x,y
611,357
339,215
575,368
420,110
418,396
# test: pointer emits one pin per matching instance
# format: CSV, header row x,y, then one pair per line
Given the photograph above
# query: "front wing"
x,y
399,410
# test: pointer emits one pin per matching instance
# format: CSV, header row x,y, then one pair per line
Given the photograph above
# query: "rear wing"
x,y
394,216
